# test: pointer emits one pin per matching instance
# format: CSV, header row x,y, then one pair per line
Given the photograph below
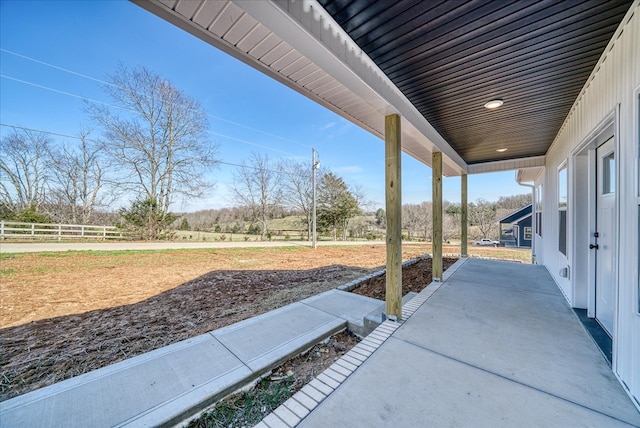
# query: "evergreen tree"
x,y
336,205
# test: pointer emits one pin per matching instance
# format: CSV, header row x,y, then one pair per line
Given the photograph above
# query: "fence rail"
x,y
13,229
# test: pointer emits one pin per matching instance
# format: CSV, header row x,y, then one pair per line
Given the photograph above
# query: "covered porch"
x,y
469,88
496,344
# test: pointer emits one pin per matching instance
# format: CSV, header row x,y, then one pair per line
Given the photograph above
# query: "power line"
x,y
66,70
251,167
97,141
69,94
259,130
133,111
24,128
104,82
250,143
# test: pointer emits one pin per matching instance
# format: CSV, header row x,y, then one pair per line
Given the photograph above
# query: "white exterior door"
x,y
605,239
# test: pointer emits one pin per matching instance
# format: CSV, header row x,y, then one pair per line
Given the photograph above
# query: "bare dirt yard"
x,y
64,314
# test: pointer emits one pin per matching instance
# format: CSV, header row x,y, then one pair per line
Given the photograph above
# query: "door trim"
x,y
603,200
607,128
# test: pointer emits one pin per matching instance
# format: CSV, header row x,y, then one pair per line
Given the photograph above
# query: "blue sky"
x,y
248,111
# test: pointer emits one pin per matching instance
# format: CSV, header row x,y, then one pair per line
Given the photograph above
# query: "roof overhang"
x,y
299,44
528,175
478,49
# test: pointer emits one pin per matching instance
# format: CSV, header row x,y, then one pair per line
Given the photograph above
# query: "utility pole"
x,y
315,164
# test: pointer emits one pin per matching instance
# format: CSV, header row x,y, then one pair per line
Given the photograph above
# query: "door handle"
x,y
592,246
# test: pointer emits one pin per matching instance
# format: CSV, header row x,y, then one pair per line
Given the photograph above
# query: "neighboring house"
x,y
516,229
549,89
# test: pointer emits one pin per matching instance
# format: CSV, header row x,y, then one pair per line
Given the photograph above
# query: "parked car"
x,y
486,242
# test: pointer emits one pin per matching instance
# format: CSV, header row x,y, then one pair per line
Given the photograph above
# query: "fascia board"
x,y
309,29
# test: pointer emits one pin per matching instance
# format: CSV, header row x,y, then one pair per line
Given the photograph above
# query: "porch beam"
x,y
463,216
436,167
393,192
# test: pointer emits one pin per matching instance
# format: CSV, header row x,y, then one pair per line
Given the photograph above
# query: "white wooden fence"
x,y
13,229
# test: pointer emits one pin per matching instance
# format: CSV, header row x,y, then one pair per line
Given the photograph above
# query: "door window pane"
x,y
562,235
539,210
562,188
609,174
562,210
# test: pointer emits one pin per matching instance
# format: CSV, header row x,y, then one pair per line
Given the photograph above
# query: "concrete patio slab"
x,y
426,389
495,345
532,336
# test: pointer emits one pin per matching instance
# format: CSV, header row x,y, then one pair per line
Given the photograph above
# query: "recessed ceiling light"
x,y
494,104
504,149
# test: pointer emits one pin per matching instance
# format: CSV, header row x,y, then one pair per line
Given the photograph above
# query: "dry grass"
x,y
64,314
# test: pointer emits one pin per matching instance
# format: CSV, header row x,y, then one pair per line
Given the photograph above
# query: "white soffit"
x,y
528,175
298,43
507,165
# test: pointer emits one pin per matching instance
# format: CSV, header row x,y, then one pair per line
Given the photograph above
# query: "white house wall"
x,y
614,87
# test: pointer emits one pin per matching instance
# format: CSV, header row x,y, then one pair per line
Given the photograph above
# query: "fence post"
x,y
2,228
82,231
33,229
104,232
59,232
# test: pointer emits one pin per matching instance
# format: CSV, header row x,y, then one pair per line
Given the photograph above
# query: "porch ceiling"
x,y
436,63
450,58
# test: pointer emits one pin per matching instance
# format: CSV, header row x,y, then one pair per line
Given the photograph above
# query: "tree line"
x,y
482,218
152,148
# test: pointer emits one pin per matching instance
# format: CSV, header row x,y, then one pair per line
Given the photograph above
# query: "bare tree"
x,y
157,138
417,218
23,167
410,219
482,214
514,202
426,219
257,187
77,181
297,188
358,227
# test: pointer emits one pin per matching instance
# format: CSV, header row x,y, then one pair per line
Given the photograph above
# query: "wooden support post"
x,y
436,266
464,237
393,190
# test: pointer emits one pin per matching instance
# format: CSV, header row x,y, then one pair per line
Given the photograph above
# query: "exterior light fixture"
x,y
493,104
504,149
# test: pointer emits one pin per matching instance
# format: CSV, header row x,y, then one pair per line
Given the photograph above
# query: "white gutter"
x,y
533,217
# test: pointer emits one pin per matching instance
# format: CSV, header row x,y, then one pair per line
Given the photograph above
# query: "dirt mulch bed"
x,y
46,351
414,278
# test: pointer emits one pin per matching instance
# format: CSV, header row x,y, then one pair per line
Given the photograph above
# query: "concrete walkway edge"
x,y
166,386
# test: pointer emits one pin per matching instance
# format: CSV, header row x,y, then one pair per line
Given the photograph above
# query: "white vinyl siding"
x,y
613,88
